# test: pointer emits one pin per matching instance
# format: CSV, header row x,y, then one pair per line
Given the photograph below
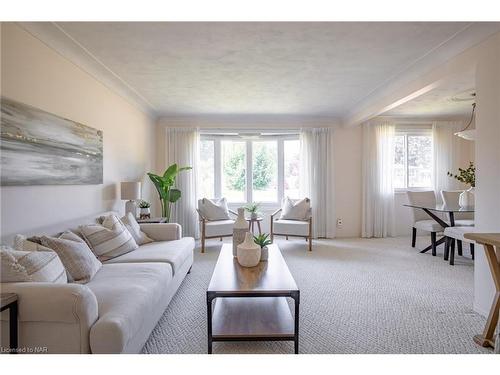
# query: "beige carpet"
x,y
357,296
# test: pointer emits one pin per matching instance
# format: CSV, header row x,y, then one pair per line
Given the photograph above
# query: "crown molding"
x,y
55,37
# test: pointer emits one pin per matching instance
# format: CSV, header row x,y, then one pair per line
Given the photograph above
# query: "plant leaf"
x,y
171,172
159,185
173,195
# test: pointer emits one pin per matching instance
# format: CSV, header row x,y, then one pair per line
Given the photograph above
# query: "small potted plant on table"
x,y
253,208
145,212
468,177
263,240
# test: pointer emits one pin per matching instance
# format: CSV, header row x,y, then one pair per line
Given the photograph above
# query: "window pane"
x,y
419,161
265,171
292,168
206,170
399,178
233,154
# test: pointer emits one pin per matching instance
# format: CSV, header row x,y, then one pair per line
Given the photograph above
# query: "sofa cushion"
x,y
134,228
80,263
291,227
109,240
126,294
219,228
174,253
24,266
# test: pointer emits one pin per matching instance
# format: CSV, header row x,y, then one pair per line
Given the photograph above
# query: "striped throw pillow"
x,y
79,261
34,266
109,240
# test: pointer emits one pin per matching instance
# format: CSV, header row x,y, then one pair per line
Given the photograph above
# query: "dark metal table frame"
x,y
13,331
444,224
294,294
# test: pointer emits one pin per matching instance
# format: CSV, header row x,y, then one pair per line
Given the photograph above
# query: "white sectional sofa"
x,y
113,313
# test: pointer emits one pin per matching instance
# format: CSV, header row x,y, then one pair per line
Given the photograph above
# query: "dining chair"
x,y
452,198
457,234
421,220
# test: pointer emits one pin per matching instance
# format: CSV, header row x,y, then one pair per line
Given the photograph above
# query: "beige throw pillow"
x,y
135,230
215,209
109,240
295,211
34,266
75,255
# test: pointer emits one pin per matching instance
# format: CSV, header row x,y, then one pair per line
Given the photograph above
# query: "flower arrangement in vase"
x,y
263,240
468,177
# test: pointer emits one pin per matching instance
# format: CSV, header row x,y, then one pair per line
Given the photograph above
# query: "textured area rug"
x,y
357,296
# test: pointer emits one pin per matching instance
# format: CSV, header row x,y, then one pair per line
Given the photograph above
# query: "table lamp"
x,y
131,191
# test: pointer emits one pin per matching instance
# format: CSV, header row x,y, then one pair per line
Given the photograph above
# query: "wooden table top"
x,y
267,277
484,238
7,298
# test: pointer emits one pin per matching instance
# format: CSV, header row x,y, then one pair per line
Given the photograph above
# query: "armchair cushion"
x,y
214,209
219,228
295,210
291,227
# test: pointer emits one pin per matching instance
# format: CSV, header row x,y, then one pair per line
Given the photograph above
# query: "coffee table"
x,y
249,304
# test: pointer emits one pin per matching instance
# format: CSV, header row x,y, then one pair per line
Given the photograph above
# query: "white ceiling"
x,y
438,102
254,68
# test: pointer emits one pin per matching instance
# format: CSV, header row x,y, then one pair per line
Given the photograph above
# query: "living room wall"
x,y
34,74
347,155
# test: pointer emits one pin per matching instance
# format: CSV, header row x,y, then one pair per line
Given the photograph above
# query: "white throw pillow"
x,y
109,240
76,256
135,230
295,211
34,266
215,209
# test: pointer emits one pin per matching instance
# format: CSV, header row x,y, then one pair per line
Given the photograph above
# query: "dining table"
x,y
437,211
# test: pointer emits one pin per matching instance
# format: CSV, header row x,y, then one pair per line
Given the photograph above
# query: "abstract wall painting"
x,y
39,148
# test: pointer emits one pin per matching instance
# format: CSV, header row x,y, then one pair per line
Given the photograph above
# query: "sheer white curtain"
x,y
182,145
317,178
377,170
447,154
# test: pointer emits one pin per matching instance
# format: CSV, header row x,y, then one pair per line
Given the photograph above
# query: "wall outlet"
x,y
339,223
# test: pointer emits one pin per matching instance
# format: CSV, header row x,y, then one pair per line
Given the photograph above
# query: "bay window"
x,y
249,170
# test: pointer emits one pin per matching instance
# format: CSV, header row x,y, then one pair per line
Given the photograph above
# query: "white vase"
x,y
264,254
240,229
466,198
248,252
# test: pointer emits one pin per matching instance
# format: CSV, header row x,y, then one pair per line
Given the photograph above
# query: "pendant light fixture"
x,y
465,133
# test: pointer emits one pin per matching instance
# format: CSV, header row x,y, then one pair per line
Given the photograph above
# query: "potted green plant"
x,y
165,185
468,177
253,208
263,240
145,212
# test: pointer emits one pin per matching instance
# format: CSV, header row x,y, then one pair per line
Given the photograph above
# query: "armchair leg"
x,y
203,237
459,247
452,252
286,238
413,236
472,250
310,243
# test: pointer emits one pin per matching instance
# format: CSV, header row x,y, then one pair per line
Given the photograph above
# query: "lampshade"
x,y
130,190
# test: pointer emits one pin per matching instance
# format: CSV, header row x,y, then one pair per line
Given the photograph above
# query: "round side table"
x,y
251,223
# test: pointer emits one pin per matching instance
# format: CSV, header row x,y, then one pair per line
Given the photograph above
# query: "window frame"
x,y
414,130
279,138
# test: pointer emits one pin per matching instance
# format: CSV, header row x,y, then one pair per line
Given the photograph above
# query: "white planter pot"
x,y
254,215
248,252
264,254
467,198
240,229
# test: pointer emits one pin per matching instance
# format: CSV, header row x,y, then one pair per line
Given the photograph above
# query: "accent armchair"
x,y
214,228
292,228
